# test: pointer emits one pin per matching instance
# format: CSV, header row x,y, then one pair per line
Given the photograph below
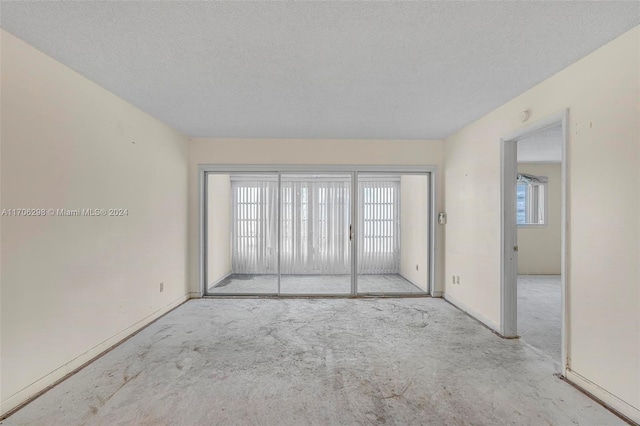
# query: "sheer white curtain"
x,y
255,225
315,225
379,236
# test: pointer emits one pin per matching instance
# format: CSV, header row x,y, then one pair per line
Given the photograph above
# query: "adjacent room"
x,y
539,206
286,213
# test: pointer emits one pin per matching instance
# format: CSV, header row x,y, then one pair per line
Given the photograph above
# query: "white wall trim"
x,y
218,281
412,282
475,314
508,293
315,168
202,230
606,397
509,238
537,126
433,236
42,384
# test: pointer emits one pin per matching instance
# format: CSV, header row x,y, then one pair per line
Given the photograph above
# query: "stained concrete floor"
x,y
540,314
316,362
313,284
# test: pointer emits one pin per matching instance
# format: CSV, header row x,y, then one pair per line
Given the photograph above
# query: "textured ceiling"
x,y
543,147
318,69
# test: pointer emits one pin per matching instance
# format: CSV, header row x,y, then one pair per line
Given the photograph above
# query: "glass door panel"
x,y
315,234
241,234
393,233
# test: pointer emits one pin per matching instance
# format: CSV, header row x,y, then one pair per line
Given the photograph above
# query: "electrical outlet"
x,y
457,279
161,287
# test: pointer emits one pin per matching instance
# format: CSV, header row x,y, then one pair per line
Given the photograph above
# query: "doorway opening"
x,y
316,232
534,302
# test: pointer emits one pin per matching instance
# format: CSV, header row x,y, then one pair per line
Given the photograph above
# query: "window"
x,y
531,201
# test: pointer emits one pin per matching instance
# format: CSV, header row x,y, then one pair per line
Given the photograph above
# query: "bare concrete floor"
x,y
316,362
540,314
314,284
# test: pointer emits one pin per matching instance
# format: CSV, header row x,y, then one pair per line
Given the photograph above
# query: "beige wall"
x,y
539,247
414,229
602,94
74,286
218,228
307,152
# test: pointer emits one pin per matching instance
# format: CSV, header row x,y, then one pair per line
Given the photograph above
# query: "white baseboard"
x,y
56,375
437,294
606,397
484,320
411,281
219,280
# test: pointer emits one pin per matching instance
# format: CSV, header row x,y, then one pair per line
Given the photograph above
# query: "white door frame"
x,y
508,258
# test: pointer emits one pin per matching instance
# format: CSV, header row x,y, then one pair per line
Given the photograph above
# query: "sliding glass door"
x,y
325,233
